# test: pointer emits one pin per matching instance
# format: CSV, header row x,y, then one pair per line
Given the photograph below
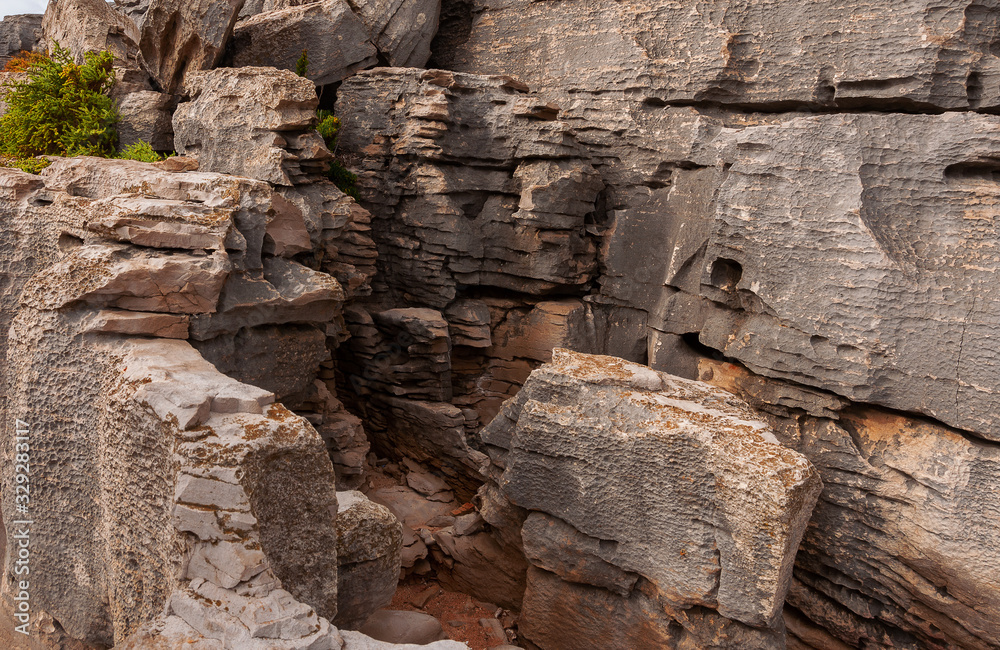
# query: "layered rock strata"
x,y
831,54
186,484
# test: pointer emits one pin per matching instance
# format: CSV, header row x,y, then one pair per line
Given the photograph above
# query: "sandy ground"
x,y
459,613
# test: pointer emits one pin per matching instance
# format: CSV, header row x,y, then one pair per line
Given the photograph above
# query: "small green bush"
x,y
141,151
329,128
62,108
30,165
302,65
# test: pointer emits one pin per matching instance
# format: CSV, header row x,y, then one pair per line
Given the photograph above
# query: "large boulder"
x,y
369,547
254,122
178,38
147,116
278,38
91,26
659,499
276,32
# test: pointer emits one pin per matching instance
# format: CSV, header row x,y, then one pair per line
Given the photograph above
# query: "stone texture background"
x,y
793,202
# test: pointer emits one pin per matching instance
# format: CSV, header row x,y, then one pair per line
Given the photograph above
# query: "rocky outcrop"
x,y
779,55
501,218
277,32
111,250
703,555
88,26
254,122
278,39
900,548
19,33
182,37
401,30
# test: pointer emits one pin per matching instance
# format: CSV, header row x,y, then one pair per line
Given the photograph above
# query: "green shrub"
x,y
329,128
30,165
344,180
141,151
302,65
62,108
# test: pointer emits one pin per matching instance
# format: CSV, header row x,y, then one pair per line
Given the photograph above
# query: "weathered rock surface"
x,y
178,38
254,122
96,253
88,26
369,544
276,32
832,292
395,626
900,548
134,9
844,54
702,551
21,32
278,38
147,116
402,30
496,219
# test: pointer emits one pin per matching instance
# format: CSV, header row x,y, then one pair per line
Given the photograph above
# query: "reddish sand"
x,y
459,613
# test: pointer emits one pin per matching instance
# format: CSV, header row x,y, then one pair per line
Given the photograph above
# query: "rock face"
x,y
278,38
838,54
19,33
113,250
182,37
506,222
91,25
891,496
147,116
255,122
709,542
277,32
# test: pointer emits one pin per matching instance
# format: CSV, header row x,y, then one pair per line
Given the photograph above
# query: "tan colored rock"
x,y
178,38
134,323
278,38
402,30
91,26
254,122
161,223
114,276
369,543
721,535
